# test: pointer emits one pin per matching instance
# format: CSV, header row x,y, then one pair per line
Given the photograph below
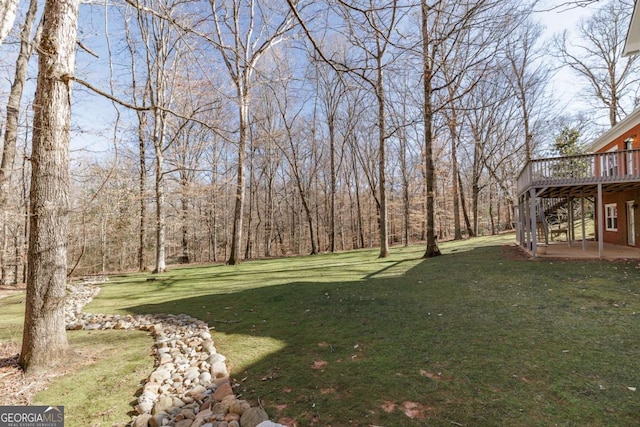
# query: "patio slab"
x,y
575,250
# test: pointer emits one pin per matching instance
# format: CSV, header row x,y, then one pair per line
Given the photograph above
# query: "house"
x,y
601,188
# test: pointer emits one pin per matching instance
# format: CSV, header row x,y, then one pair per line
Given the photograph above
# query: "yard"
x,y
481,336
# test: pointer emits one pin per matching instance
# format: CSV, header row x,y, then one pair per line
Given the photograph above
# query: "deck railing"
x,y
612,166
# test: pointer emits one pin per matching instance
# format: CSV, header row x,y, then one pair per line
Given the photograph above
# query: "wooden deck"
x,y
575,251
581,175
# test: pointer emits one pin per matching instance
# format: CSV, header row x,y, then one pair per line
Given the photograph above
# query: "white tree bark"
x,y
7,16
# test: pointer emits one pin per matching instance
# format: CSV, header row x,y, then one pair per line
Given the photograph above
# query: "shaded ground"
x,y
15,387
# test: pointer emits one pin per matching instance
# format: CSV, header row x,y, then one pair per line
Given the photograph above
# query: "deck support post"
x,y
584,227
601,220
533,222
570,236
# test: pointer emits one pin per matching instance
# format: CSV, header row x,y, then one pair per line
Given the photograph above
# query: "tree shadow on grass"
x,y
445,341
332,353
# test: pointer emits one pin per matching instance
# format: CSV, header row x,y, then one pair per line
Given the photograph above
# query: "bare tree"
x,y
44,341
446,25
527,74
243,31
185,158
164,51
13,114
300,151
610,80
330,91
369,28
142,116
428,76
8,10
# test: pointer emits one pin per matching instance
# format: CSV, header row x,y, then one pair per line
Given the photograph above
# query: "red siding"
x,y
618,143
620,237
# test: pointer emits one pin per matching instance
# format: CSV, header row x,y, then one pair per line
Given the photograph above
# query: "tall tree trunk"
x,y
406,200
26,210
3,250
359,225
13,114
475,184
15,97
184,210
161,225
491,220
269,217
332,196
238,212
44,340
382,159
142,194
475,200
432,244
465,213
405,178
457,232
309,216
252,191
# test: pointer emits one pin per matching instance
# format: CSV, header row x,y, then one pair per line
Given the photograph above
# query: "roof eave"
x,y
616,131
632,42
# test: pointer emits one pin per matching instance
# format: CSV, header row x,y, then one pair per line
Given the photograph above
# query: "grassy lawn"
x,y
477,337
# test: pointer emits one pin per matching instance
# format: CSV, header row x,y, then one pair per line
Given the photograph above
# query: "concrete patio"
x,y
564,250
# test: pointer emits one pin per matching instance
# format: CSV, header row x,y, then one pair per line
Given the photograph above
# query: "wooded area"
x,y
242,129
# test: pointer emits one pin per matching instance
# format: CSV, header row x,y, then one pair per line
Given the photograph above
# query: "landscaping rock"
x,y
252,417
141,420
239,407
270,424
222,391
190,385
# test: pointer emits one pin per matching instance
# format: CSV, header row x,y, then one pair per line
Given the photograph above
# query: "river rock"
x,y
141,420
252,417
191,378
184,423
239,406
222,391
163,405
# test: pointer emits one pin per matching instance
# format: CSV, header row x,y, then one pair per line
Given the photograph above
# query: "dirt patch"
x,y
319,364
15,387
514,252
18,389
413,410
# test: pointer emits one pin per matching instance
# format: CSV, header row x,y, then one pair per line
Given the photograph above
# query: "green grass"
x,y
102,394
472,338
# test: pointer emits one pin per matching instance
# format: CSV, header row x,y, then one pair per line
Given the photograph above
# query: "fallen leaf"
x,y
319,364
389,407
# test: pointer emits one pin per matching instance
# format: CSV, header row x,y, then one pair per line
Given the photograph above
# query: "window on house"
x,y
611,216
